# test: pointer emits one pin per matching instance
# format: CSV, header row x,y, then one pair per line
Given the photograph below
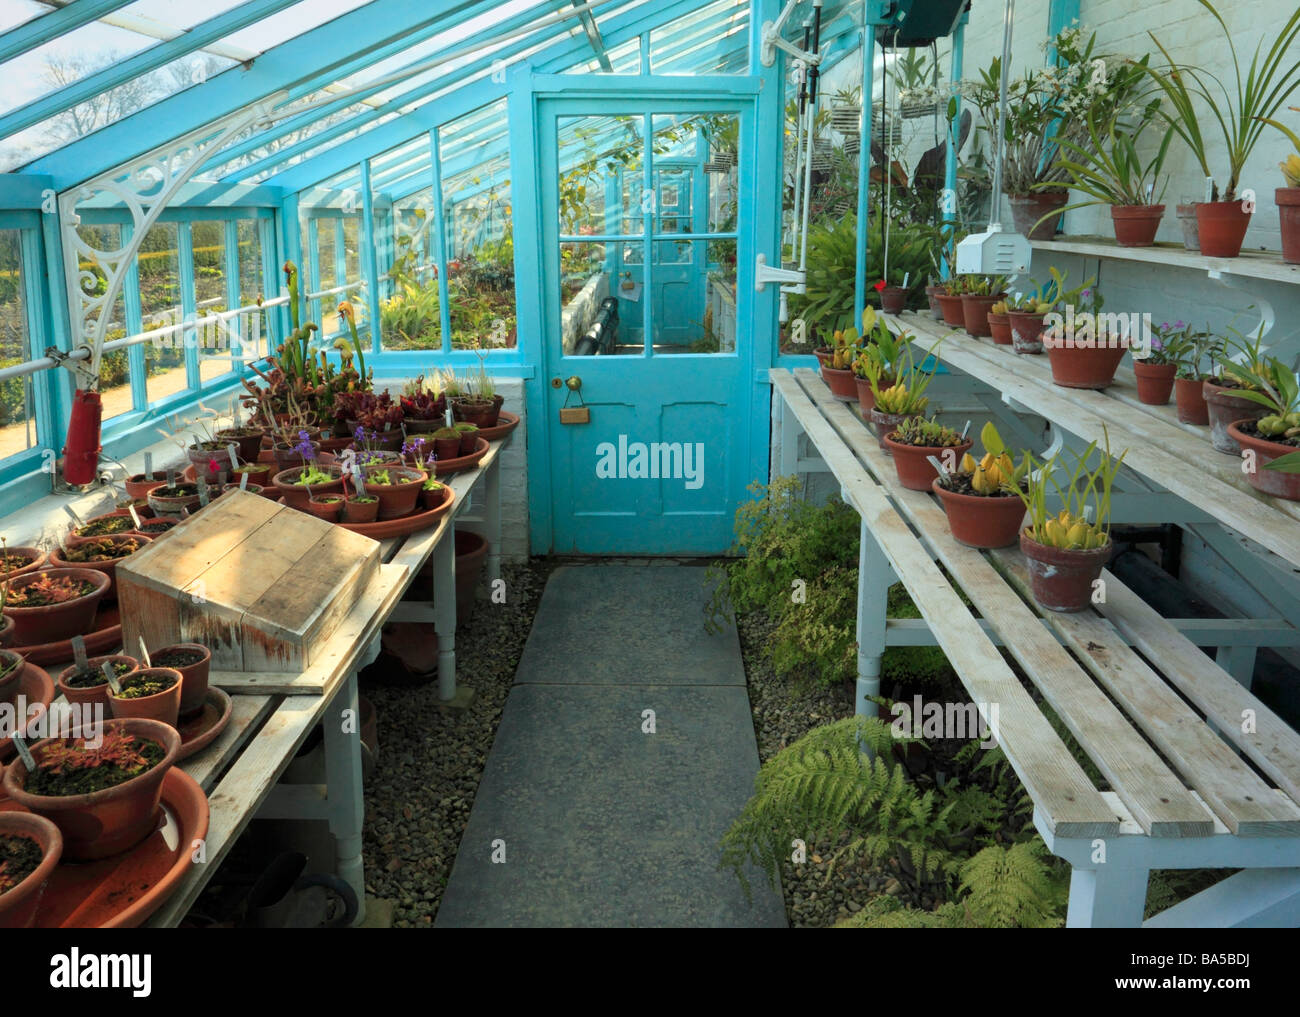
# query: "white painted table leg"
x,y
444,612
492,519
790,431
874,578
1107,897
346,804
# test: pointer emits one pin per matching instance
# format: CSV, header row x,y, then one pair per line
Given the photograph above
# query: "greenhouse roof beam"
x,y
341,45
63,99
593,36
60,21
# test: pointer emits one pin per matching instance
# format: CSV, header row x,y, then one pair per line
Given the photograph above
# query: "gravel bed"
x,y
419,798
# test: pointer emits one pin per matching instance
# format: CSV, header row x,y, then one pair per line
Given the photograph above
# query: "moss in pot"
x,y
361,508
446,443
468,437
87,686
101,554
104,526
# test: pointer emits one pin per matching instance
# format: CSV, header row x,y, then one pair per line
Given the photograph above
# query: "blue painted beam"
x,y
25,190
57,22
139,64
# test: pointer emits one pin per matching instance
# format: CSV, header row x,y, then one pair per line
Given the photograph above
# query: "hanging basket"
x,y
846,119
821,156
887,131
916,108
713,166
853,144
725,159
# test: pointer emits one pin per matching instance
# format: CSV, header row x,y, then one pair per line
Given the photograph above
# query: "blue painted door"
x,y
664,458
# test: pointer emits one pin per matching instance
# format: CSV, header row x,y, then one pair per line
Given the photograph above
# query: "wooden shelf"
x,y
1251,264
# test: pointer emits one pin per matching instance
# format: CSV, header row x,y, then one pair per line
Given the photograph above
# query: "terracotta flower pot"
x,y
1222,227
932,295
209,463
883,423
139,486
35,557
108,566
398,499
1136,225
446,448
330,510
260,475
18,905
34,626
286,457
154,528
480,413
247,442
296,495
893,299
824,355
1191,232
1189,395
107,822
840,383
6,630
360,511
953,312
1027,209
109,524
984,521
1223,407
1062,580
174,505
1288,210
1155,382
12,682
163,706
975,312
432,499
468,441
1274,482
194,677
866,398
1027,331
915,471
1084,366
418,426
1000,328
91,696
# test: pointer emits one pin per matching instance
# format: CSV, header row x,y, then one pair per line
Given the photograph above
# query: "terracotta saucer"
x,y
403,525
36,688
122,891
445,466
107,636
200,731
507,422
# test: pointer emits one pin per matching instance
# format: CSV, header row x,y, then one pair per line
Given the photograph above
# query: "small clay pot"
x,y
1274,482
468,441
481,413
1084,366
154,528
953,312
983,521
915,471
1027,331
18,905
1288,210
91,696
139,486
1189,395
247,442
446,448
110,821
1000,327
893,299
52,623
330,511
203,460
194,677
1028,209
1062,580
432,499
360,511
840,382
36,559
260,476
975,312
1155,382
396,500
1221,226
1136,225
118,521
932,295
883,423
866,398
173,506
163,706
1223,407
1191,232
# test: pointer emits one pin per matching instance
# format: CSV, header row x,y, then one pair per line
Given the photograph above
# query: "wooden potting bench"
x,y
1198,772
273,714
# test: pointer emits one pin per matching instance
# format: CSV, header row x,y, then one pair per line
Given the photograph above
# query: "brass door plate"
x,y
575,415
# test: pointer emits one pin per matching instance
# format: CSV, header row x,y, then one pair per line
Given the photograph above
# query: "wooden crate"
x,y
261,585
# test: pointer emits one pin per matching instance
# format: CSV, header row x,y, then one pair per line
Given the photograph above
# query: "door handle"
x,y
573,383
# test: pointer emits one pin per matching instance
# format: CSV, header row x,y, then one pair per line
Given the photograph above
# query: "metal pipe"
x,y
864,174
995,212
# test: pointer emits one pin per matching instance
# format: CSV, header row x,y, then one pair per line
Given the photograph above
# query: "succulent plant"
x,y
925,434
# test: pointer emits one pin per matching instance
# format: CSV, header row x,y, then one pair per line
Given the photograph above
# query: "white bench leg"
x,y
346,803
1108,897
1238,661
874,578
444,613
492,520
790,432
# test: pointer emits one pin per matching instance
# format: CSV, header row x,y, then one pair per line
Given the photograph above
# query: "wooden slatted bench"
x,y
1179,795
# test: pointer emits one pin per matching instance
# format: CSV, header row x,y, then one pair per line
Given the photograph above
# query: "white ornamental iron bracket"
x,y
145,187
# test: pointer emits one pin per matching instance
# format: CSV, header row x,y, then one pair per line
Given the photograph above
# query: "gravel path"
x,y
419,798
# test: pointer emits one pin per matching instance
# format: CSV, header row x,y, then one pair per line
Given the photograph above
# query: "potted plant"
x,y
1083,352
837,363
1288,197
247,441
30,848
360,508
1027,317
53,604
175,501
107,525
153,528
87,685
983,500
424,408
950,303
371,411
479,404
299,484
397,488
101,790
880,356
915,441
12,667
1192,350
1066,550
1240,113
446,444
1156,367
259,474
1263,440
979,294
18,561
1109,170
893,299
299,451
468,437
326,506
101,554
148,693
192,661
1237,366
433,494
905,398
138,485
1186,211
999,319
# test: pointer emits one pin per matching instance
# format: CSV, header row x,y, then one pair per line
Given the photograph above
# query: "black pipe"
x,y
599,340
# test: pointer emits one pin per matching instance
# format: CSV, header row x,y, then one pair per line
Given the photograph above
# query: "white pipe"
x,y
995,215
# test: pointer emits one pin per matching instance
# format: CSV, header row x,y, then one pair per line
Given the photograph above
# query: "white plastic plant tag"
x,y
1209,188
79,652
72,513
243,482
906,277
359,479
148,466
223,478
111,676
934,461
451,418
203,493
135,516
185,513
965,431
144,653
233,449
171,479
24,753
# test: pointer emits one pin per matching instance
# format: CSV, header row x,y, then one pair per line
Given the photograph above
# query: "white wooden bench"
x,y
1179,794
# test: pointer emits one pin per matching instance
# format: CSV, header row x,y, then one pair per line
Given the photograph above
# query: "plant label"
x,y
243,482
451,418
360,481
111,677
72,513
135,516
223,478
185,513
79,652
24,753
171,479
144,653
203,492
233,449
148,466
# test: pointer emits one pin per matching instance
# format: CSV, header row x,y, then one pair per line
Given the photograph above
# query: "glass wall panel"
x,y
17,409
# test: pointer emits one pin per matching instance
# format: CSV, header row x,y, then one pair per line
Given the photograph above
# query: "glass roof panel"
x,y
18,12
703,42
624,58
